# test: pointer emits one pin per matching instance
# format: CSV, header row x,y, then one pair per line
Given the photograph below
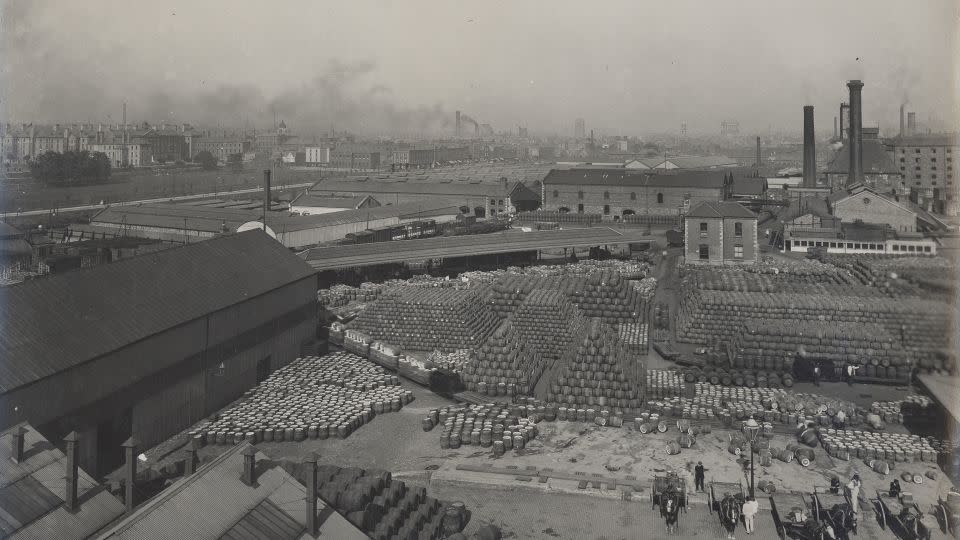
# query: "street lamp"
x,y
751,430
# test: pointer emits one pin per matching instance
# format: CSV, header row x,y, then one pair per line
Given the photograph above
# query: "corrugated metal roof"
x,y
31,504
699,162
213,500
52,324
712,209
876,160
375,187
265,522
637,178
317,201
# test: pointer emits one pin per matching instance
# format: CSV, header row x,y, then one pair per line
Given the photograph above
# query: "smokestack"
x,y
844,120
458,124
249,475
72,467
266,196
836,134
901,121
855,174
759,159
809,149
311,496
130,471
16,445
911,123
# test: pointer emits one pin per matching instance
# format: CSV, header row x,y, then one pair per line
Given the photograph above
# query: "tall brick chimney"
x,y
809,149
855,173
311,495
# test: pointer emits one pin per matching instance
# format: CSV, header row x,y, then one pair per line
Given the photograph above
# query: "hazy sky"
x,y
632,67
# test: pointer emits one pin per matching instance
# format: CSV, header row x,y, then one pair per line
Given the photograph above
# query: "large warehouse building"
x,y
620,192
147,346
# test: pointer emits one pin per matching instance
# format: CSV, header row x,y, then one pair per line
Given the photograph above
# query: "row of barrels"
x,y
310,398
661,383
891,447
738,377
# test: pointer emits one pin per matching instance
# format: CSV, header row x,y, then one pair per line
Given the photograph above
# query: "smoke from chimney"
x,y
809,149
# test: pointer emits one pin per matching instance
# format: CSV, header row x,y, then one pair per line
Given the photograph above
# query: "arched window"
x,y
659,198
633,195
606,195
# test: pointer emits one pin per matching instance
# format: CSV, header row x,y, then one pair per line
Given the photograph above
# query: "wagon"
x,y
717,489
948,514
794,516
669,480
903,516
837,511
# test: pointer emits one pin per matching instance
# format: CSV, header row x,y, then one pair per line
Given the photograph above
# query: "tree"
x,y
206,160
235,162
71,168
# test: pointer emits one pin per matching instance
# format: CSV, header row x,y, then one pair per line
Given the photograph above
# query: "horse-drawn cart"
x,y
670,494
794,517
726,501
837,511
903,515
948,513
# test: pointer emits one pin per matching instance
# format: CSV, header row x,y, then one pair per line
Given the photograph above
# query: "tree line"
x,y
71,168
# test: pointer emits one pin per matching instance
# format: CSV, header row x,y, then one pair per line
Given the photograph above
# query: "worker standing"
x,y
839,421
854,487
816,374
698,476
750,509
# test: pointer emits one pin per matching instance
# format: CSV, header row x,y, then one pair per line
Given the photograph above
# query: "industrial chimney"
x,y
249,475
458,124
758,152
266,196
911,123
311,495
844,121
855,173
809,149
901,121
16,445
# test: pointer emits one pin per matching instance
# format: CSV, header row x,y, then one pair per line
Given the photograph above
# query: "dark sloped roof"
x,y
713,209
32,493
876,160
639,178
317,201
748,186
9,231
52,324
803,206
214,503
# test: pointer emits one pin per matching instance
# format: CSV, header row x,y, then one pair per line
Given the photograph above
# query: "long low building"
x,y
614,193
147,346
328,258
192,223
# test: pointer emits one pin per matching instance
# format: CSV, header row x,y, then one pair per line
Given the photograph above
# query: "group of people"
x,y
849,372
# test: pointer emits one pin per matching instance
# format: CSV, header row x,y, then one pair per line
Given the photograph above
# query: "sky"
x,y
404,67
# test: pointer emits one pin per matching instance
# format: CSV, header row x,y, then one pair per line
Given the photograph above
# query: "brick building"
x,y
221,148
927,166
720,233
621,192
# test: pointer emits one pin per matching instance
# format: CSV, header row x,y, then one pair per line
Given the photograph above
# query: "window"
x,y
902,160
703,229
849,245
580,208
896,247
556,194
833,244
933,150
933,176
580,195
704,252
738,229
933,159
737,251
903,168
606,209
500,202
917,150
606,195
493,202
911,248
926,249
659,198
917,168
917,160
633,195
903,150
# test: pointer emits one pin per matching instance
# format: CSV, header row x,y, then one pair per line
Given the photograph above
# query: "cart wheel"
x,y
883,517
942,514
781,531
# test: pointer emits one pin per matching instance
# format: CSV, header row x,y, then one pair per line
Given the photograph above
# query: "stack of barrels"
x,y
498,426
426,319
661,383
604,374
312,397
865,445
504,365
456,361
548,322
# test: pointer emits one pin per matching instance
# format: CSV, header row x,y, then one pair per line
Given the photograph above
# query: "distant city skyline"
x,y
66,61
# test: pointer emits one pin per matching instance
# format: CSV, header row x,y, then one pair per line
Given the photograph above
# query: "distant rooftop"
x,y
714,209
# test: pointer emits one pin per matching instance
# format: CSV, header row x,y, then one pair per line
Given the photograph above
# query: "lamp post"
x,y
751,429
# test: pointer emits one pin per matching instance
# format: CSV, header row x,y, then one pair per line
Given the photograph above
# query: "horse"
x,y
729,513
670,509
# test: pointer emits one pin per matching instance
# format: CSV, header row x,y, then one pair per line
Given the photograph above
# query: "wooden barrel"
x,y
734,449
685,440
784,455
809,437
427,424
673,448
662,427
645,427
880,466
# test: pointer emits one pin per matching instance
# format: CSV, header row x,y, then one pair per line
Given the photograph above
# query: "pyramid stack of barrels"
x,y
603,375
382,506
426,319
505,364
548,322
498,426
312,397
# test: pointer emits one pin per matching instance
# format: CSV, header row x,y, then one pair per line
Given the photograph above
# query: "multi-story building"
x,y
928,169
720,233
355,157
579,129
19,145
221,148
614,193
123,155
316,155
164,144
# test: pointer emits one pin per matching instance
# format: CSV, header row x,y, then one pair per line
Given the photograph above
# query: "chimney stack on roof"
x,y
311,495
130,471
809,149
855,173
16,444
189,460
249,474
72,470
